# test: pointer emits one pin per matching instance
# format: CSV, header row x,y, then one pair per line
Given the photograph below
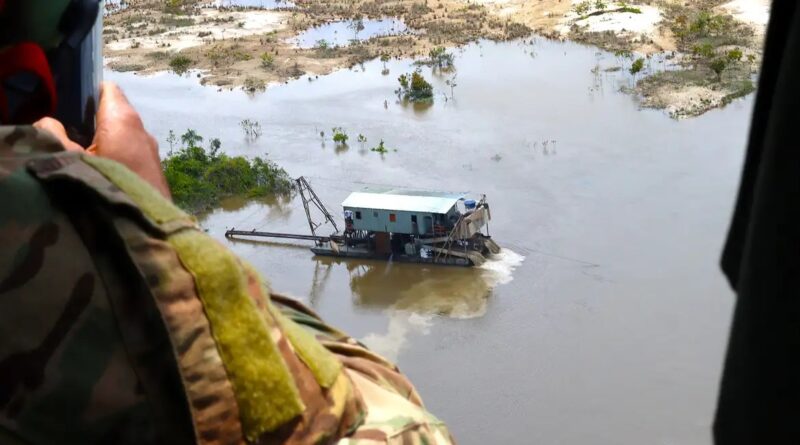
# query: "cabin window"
x,y
374,214
392,217
358,214
413,218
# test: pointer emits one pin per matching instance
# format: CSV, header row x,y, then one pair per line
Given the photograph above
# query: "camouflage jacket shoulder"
x,y
122,322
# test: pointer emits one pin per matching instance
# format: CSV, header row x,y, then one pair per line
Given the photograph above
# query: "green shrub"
x,y
704,50
582,7
415,87
199,178
734,55
180,63
403,81
637,66
380,148
340,137
718,65
267,60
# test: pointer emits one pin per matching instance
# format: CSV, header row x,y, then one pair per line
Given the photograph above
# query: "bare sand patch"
x,y
645,22
211,24
754,12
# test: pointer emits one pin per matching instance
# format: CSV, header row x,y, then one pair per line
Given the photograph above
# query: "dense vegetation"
x,y
199,178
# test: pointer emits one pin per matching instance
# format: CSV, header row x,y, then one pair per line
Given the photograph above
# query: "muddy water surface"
x,y
343,33
603,321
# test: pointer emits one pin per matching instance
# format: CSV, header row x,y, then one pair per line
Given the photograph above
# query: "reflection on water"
x,y
413,294
342,33
401,325
457,292
258,212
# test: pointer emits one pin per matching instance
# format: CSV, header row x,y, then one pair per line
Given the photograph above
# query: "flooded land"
x,y
714,46
604,318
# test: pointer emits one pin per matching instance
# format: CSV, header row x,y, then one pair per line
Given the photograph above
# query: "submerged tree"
x,y
340,136
357,26
384,59
380,148
415,88
452,84
252,129
440,58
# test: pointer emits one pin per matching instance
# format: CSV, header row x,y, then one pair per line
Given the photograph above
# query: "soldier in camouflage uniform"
x,y
122,322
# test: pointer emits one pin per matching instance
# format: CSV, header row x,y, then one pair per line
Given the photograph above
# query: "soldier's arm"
x,y
196,326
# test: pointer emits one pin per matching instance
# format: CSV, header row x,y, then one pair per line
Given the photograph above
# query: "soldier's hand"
x,y
120,135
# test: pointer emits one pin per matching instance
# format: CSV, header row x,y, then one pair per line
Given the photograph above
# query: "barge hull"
x,y
400,258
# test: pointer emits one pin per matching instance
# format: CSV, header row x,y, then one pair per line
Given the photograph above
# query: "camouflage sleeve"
x,y
65,375
161,333
394,412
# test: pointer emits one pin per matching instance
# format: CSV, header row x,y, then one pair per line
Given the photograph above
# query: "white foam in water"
x,y
500,267
414,314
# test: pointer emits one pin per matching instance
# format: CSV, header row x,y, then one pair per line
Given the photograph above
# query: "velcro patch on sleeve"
x,y
265,391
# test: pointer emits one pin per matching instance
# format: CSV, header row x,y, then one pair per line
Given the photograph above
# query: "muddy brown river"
x,y
604,319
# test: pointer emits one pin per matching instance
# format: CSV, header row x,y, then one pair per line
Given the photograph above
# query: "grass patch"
x,y
172,21
158,55
741,89
128,67
674,78
253,84
225,55
199,178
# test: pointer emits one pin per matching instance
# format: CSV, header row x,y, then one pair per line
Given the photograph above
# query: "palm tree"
x,y
191,138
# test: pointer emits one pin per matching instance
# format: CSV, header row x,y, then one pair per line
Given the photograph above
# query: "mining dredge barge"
x,y
398,225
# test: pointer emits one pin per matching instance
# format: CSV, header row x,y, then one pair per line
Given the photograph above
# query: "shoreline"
x,y
248,48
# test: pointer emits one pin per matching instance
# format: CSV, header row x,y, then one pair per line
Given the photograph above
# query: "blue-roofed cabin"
x,y
402,211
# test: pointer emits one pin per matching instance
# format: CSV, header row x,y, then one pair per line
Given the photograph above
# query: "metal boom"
x,y
302,187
